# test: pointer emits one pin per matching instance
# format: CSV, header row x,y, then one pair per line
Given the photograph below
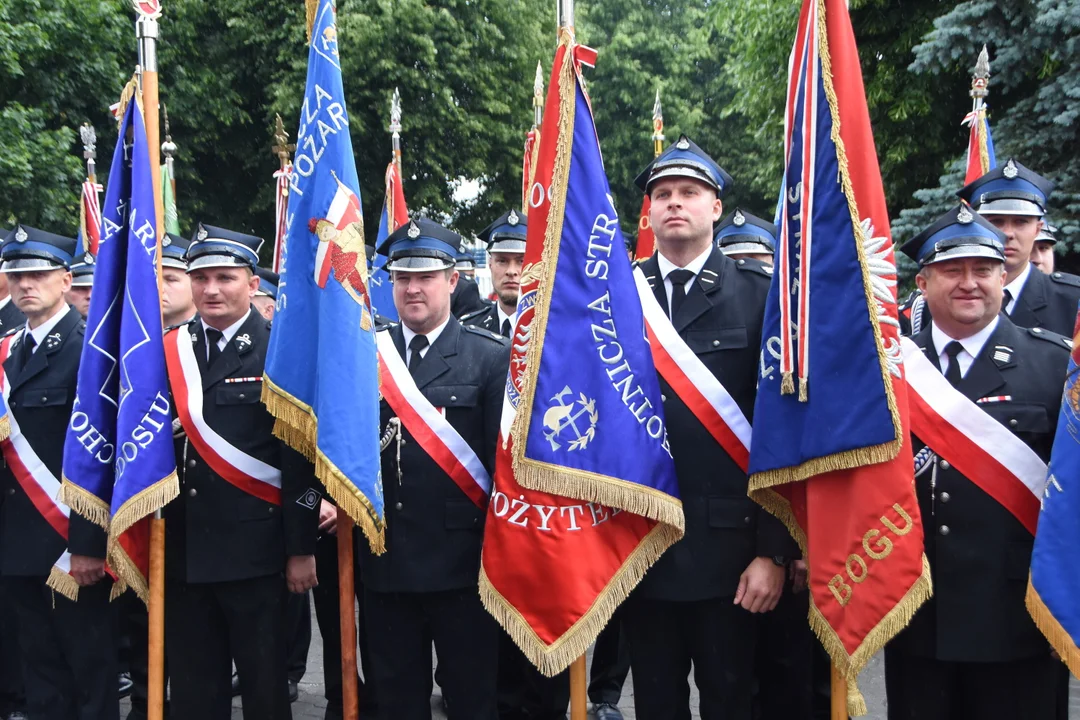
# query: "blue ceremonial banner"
x,y
119,462
322,381
1053,595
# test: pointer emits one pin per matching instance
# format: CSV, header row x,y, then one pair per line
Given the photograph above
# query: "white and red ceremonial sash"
x,y
428,426
695,385
39,484
979,447
235,466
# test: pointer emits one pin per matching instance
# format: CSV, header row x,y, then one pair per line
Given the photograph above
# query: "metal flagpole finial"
x,y
168,148
980,80
146,29
395,113
282,148
89,141
566,13
538,86
658,126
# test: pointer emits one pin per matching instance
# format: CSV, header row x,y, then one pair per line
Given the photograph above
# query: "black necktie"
x,y
678,279
506,328
952,373
1006,298
28,345
213,337
418,343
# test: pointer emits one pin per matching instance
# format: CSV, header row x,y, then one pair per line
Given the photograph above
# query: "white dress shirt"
x,y
694,266
431,338
1015,288
503,316
42,331
226,334
972,346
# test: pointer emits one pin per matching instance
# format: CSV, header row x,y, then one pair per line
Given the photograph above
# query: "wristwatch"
x,y
780,560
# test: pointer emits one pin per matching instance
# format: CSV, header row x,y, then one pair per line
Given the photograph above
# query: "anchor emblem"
x,y
565,416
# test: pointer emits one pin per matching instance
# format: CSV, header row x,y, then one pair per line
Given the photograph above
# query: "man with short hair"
x,y
242,531
972,650
696,605
69,648
1042,253
449,382
82,285
505,239
177,307
265,299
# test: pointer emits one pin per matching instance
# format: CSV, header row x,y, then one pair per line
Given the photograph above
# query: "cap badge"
x,y
964,216
414,231
683,144
739,220
21,236
166,241
1010,170
88,258
202,234
513,219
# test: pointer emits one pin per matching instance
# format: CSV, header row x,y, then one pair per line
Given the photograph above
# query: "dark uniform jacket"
x,y
1046,301
979,552
488,319
216,532
433,530
11,318
466,298
720,320
42,394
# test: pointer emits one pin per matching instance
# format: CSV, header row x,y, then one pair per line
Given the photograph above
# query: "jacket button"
x,y
453,398
270,510
943,530
191,463
398,506
945,497
741,261
11,491
746,520
44,398
716,343
192,492
241,396
663,398
1013,423
944,465
1037,331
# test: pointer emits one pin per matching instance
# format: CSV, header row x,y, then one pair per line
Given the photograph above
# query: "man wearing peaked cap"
x,y
424,588
266,296
69,648
1042,254
1013,199
177,307
465,264
742,235
505,239
242,532
10,315
697,604
82,284
466,298
973,650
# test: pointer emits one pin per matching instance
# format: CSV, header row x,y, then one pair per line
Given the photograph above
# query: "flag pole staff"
x,y
578,684
282,150
146,30
395,128
538,96
89,141
658,126
980,82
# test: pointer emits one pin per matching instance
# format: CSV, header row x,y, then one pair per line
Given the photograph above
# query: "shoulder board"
x,y
384,328
754,266
1050,337
484,333
475,313
910,299
81,326
1063,278
13,330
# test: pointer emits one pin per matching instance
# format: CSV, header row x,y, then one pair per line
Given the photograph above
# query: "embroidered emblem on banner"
x,y
566,420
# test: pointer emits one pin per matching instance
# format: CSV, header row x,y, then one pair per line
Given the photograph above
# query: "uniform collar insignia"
x,y
1002,354
52,340
1010,170
243,340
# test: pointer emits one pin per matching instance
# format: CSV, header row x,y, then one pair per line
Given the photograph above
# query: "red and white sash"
x,y
39,484
695,385
428,426
979,447
235,466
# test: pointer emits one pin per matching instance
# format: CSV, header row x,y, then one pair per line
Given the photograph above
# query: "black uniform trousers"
x,y
610,662
524,692
297,634
69,650
209,626
922,688
783,664
401,628
328,615
12,697
665,636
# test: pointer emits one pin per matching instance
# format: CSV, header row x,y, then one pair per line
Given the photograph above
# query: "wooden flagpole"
x,y
350,700
838,700
146,30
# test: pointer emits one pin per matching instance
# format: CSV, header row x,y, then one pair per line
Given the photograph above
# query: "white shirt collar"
x,y
431,337
227,333
503,316
972,345
1016,287
694,266
42,331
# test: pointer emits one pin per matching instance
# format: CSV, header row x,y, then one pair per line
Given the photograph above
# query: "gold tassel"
x,y
312,9
84,502
5,427
64,584
804,391
787,384
130,91
1058,637
128,573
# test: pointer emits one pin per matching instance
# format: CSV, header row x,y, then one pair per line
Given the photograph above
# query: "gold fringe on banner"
x,y
131,90
297,425
311,9
136,509
5,427
63,583
84,502
573,644
1059,637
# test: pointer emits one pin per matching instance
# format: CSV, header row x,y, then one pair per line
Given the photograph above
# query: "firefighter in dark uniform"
x,y
424,588
743,235
505,239
68,648
82,284
466,299
10,315
232,556
973,651
1013,198
697,604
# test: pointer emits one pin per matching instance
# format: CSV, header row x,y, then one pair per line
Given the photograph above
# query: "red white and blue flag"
x,y
831,452
394,215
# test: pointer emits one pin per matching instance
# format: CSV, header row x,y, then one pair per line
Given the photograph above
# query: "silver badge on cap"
x,y
739,220
964,216
1010,170
202,235
166,241
20,235
513,218
683,144
414,231
88,259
